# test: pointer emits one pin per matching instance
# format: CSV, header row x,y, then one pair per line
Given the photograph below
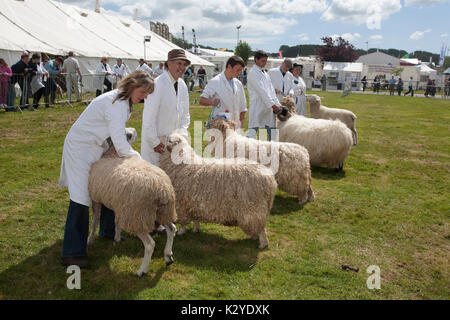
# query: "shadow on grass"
x,y
112,275
327,174
285,204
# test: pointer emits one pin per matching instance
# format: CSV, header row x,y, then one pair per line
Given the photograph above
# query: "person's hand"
x,y
47,74
215,101
276,108
159,148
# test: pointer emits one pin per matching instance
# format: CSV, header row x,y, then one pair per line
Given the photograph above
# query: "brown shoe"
x,y
82,262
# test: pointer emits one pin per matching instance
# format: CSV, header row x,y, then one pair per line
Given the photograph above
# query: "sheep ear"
x,y
233,124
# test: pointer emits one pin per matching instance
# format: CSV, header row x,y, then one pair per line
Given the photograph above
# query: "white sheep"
x,y
139,193
319,111
289,161
231,192
327,141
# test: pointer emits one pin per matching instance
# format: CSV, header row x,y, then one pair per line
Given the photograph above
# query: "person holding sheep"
x,y
225,92
264,103
105,117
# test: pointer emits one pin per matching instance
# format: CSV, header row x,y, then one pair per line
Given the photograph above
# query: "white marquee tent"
x,y
55,28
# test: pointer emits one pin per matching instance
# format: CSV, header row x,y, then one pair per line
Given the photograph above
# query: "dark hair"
x,y
36,56
59,59
260,54
234,60
70,53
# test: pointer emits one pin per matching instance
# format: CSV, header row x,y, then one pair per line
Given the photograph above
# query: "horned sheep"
x,y
327,141
289,161
231,192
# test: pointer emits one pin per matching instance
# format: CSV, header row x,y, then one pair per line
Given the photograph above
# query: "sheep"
x,y
292,171
327,141
231,192
319,111
139,193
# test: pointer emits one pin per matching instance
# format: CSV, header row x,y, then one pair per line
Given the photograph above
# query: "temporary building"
x,y
55,28
340,72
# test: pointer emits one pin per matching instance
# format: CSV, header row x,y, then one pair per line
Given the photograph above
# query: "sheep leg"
x,y
171,230
149,246
196,226
117,237
182,230
355,137
96,207
263,241
311,196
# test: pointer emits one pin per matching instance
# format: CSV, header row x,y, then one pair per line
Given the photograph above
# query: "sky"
x,y
410,25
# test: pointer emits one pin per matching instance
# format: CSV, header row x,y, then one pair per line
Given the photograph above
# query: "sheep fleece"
x,y
138,192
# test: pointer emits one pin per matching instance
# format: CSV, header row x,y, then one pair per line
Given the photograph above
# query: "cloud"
x,y
376,37
419,34
303,36
361,11
287,7
444,35
347,36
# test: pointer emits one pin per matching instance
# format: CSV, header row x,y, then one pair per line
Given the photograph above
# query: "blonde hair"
x,y
136,79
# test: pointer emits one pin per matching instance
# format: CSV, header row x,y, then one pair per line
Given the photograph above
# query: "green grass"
x,y
390,207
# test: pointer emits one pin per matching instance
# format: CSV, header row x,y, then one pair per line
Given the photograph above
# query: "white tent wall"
x,y
54,28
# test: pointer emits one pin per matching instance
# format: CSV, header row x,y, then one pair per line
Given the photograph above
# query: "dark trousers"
x,y
37,96
108,88
410,90
77,229
50,92
25,88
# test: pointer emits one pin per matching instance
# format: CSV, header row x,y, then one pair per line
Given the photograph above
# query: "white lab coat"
x,y
164,112
100,75
280,82
36,80
299,87
83,144
261,97
145,67
122,71
233,101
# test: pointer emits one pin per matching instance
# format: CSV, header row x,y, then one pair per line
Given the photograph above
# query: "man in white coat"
x,y
299,87
143,66
225,92
103,77
120,71
104,117
282,79
167,108
264,103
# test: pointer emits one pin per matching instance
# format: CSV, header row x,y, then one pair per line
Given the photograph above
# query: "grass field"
x,y
390,208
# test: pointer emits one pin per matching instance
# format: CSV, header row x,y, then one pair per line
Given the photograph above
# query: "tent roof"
x,y
56,28
426,70
447,71
217,53
343,66
408,61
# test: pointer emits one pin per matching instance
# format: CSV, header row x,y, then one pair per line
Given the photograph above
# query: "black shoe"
x,y
82,262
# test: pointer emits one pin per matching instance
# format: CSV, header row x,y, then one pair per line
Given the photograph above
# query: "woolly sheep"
x,y
231,192
327,141
292,169
139,193
319,111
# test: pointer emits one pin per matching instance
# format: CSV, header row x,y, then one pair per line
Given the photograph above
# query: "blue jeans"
x,y
77,229
271,133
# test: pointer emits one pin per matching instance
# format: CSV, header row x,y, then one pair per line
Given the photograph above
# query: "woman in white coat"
x,y
106,116
299,87
167,109
103,77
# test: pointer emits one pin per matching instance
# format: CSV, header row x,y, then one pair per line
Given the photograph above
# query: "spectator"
x,y
392,82
5,79
428,89
71,67
192,79
364,83
400,86
226,93
410,87
433,88
201,73
37,84
143,66
159,69
21,73
447,87
299,89
54,68
263,100
103,77
282,79
244,73
120,71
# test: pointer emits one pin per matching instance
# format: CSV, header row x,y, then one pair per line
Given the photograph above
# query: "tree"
x,y
446,63
397,71
339,50
243,50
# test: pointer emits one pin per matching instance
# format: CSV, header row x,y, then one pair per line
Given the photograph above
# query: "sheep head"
x,y
313,98
223,125
175,139
131,135
289,103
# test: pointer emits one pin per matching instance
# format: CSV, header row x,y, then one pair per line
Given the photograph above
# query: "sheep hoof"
x,y
140,273
263,245
168,263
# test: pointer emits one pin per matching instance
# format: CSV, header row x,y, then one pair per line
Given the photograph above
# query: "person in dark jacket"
x,y
400,86
21,74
